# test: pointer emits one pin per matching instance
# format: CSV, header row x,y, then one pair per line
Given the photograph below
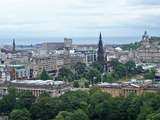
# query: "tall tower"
x,y
100,52
145,40
14,46
145,37
67,48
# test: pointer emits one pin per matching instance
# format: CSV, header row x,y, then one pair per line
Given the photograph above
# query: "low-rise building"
x,y
36,87
125,89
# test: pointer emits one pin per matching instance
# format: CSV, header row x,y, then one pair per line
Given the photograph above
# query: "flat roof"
x,y
10,65
38,82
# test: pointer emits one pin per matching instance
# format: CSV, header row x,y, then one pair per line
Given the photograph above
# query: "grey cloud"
x,y
22,23
145,2
97,27
72,14
88,4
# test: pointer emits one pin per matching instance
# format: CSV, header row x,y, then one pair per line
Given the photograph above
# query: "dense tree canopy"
x,y
44,75
150,74
65,74
154,116
94,73
96,65
20,114
76,115
94,76
130,46
81,105
124,70
80,69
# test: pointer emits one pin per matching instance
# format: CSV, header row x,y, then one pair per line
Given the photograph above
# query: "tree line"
x,y
95,73
80,105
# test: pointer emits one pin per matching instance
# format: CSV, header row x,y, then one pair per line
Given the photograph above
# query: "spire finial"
x,y
100,36
145,32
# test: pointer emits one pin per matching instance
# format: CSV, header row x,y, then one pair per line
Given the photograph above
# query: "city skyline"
x,y
76,40
81,18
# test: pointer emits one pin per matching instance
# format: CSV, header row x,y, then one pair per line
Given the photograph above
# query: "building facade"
x,y
36,87
149,50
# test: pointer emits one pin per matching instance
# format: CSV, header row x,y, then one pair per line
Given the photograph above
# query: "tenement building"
x,y
149,50
50,63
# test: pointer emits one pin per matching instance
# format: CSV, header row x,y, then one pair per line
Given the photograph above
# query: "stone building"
x,y
86,56
123,90
67,48
36,87
149,50
50,63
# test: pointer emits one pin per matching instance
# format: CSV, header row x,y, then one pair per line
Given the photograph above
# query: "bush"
x,y
76,84
86,84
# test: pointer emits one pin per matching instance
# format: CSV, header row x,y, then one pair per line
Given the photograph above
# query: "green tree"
x,y
120,70
65,74
97,66
76,115
80,69
114,63
45,108
150,74
94,76
129,108
145,111
99,107
8,102
130,46
131,67
44,75
109,78
139,69
64,115
86,84
20,114
76,84
72,100
79,115
103,110
25,100
154,116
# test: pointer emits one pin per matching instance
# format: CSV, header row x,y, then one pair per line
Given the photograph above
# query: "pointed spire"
x,y
145,32
100,44
145,36
100,52
100,36
14,46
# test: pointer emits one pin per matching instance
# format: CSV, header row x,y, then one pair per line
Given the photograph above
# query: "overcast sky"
x,y
73,18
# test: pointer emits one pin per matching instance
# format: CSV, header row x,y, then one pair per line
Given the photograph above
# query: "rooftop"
x,y
39,84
